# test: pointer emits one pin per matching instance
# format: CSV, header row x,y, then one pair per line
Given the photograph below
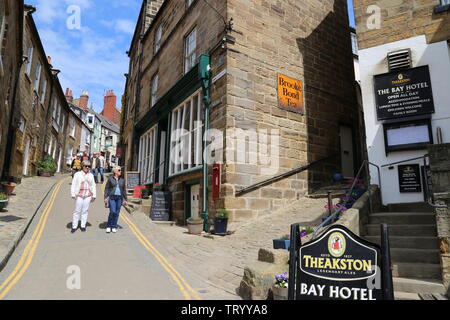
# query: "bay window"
x,y
186,136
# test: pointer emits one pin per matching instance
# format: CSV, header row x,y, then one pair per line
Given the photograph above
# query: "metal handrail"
x,y
282,176
403,161
365,164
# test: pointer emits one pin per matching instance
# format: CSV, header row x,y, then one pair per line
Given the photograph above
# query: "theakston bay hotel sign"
x,y
339,265
404,93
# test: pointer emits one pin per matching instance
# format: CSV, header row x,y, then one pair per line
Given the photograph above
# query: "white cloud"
x,y
126,26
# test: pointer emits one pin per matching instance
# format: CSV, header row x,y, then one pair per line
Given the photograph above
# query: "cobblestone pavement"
x,y
22,207
220,261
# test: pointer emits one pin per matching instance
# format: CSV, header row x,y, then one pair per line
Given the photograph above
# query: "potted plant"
x,y
8,187
306,231
280,288
145,193
282,243
195,225
3,201
46,167
221,222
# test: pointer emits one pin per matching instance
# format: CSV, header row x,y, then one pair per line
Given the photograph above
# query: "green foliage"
x,y
3,197
308,230
47,164
222,214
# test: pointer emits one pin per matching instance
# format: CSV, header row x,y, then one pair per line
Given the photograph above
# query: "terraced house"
x,y
11,38
276,80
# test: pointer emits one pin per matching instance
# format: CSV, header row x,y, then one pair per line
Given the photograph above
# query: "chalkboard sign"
x,y
409,178
161,201
133,179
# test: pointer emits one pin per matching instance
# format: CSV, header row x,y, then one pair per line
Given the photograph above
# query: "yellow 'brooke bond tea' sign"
x,y
290,94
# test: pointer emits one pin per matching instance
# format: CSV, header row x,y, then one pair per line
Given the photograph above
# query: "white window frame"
x,y
190,50
191,137
30,59
37,78
43,93
158,37
147,155
154,93
72,127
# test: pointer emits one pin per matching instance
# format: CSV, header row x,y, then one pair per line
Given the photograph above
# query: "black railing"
x,y
282,176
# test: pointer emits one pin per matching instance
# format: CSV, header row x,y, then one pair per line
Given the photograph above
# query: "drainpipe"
x,y
205,76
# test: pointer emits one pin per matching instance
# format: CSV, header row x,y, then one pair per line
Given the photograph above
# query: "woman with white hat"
x,y
84,192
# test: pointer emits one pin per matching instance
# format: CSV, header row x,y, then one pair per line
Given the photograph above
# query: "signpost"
x,y
339,265
404,93
132,179
161,201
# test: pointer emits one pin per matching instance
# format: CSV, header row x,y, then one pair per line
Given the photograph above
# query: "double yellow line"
x,y
30,249
184,287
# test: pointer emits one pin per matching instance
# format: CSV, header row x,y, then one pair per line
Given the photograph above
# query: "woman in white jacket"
x,y
84,192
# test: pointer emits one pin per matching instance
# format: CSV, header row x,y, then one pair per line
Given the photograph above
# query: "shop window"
x,y
186,136
147,155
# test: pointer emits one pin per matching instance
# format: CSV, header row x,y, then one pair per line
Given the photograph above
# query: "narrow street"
x,y
49,259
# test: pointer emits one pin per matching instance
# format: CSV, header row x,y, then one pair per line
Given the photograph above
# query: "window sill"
x,y
441,8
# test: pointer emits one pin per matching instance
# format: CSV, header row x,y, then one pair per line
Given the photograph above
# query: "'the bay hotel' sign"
x,y
404,93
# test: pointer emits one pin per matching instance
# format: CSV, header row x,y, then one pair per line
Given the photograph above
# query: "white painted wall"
x,y
372,62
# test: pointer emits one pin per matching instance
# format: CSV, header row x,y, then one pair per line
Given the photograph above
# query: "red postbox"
x,y
216,181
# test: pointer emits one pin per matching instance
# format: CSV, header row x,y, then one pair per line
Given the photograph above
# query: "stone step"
x,y
410,207
147,202
395,218
407,242
135,200
415,255
423,230
416,286
146,209
416,270
398,295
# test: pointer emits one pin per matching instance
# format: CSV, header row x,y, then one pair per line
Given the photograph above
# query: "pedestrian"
x,y
115,196
102,165
76,165
85,157
83,192
95,166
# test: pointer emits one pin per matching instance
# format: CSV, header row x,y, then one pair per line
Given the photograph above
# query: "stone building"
x,y
40,110
282,96
109,139
11,53
405,74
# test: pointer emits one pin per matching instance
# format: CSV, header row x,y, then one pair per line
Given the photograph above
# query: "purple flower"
x,y
282,277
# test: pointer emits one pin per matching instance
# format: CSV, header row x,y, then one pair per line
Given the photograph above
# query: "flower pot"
x,y
280,293
8,187
220,226
281,244
3,204
195,227
145,193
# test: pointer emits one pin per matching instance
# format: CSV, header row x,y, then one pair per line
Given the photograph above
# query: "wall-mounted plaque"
x,y
404,93
409,178
290,94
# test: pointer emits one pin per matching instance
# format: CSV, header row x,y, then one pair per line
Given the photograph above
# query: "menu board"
x,y
161,201
133,179
409,178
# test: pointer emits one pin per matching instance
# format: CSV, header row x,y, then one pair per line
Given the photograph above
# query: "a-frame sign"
x,y
339,265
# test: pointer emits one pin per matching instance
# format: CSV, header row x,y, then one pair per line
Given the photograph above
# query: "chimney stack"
x,y
109,108
84,100
69,96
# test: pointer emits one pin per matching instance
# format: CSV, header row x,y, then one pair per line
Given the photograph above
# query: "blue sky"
x,y
93,57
